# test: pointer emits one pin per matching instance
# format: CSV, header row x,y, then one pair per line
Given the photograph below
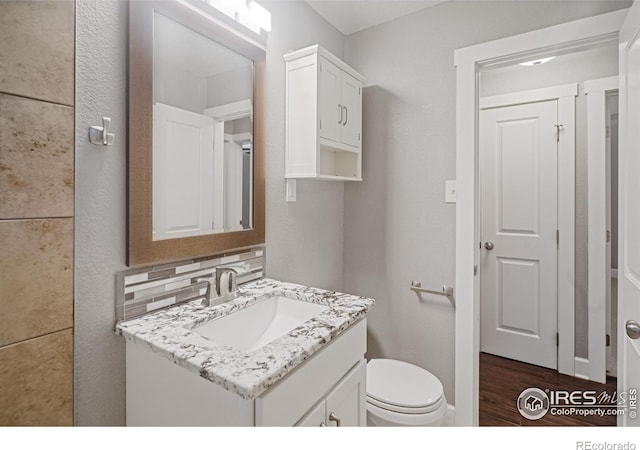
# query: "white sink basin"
x,y
259,324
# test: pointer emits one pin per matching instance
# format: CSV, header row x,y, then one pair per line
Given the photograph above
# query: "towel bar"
x,y
447,291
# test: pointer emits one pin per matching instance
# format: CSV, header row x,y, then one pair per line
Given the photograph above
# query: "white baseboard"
x,y
449,417
582,368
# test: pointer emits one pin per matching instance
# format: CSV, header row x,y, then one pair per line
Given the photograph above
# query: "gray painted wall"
x,y
100,223
169,87
180,88
229,87
304,239
397,226
575,68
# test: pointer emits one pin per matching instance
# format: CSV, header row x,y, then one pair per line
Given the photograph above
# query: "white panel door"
x,y
629,216
518,151
352,108
182,182
329,101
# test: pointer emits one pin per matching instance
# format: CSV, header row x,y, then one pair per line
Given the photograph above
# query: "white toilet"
x,y
402,394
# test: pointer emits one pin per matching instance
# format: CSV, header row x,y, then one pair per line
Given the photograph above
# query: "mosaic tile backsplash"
x,y
140,291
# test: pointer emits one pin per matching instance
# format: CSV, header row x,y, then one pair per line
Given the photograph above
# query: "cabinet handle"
x,y
322,424
334,418
340,109
346,116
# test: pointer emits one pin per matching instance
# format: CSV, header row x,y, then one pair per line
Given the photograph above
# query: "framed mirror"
x,y
196,150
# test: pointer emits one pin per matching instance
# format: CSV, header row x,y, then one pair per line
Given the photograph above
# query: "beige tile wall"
x,y
36,212
36,158
37,51
36,278
37,381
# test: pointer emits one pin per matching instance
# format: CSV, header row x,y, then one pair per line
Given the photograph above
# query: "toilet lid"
x,y
401,384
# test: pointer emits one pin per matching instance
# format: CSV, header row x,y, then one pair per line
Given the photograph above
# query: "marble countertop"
x,y
248,374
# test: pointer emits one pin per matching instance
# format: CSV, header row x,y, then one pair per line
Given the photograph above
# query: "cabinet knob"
x,y
340,110
334,418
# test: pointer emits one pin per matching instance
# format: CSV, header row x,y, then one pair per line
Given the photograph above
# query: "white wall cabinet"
x,y
323,116
333,380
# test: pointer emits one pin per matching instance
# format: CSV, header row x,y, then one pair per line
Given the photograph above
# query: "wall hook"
x,y
101,135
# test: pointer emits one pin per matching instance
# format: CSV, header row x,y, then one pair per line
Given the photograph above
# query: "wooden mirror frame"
x,y
141,248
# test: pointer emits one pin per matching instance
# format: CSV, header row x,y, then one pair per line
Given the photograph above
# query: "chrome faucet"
x,y
229,292
204,282
219,294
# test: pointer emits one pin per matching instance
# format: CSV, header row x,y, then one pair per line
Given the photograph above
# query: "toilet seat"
x,y
383,418
404,409
402,387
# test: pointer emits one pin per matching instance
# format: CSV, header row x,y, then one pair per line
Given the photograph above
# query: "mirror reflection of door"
x,y
237,168
203,119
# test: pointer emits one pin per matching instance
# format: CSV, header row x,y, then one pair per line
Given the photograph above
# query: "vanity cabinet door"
x,y
291,399
346,404
317,417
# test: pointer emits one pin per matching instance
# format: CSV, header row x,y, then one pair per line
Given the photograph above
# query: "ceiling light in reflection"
x,y
537,62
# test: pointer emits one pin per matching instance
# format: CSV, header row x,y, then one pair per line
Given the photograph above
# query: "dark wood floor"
x,y
502,380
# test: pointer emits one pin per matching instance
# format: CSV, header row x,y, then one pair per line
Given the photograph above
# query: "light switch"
x,y
291,190
450,191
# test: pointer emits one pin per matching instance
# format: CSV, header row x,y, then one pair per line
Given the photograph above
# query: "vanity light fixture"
x,y
246,12
537,62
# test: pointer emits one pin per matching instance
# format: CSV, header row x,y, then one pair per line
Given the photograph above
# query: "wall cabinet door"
x,y
340,105
352,110
330,104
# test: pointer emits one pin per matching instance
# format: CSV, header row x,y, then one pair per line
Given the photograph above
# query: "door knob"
x,y
633,329
488,245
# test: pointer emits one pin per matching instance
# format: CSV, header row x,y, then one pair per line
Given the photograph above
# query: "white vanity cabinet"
x,y
345,405
332,380
323,116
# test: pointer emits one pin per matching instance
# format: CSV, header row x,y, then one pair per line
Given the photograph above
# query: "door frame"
x,y
597,91
565,95
567,37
